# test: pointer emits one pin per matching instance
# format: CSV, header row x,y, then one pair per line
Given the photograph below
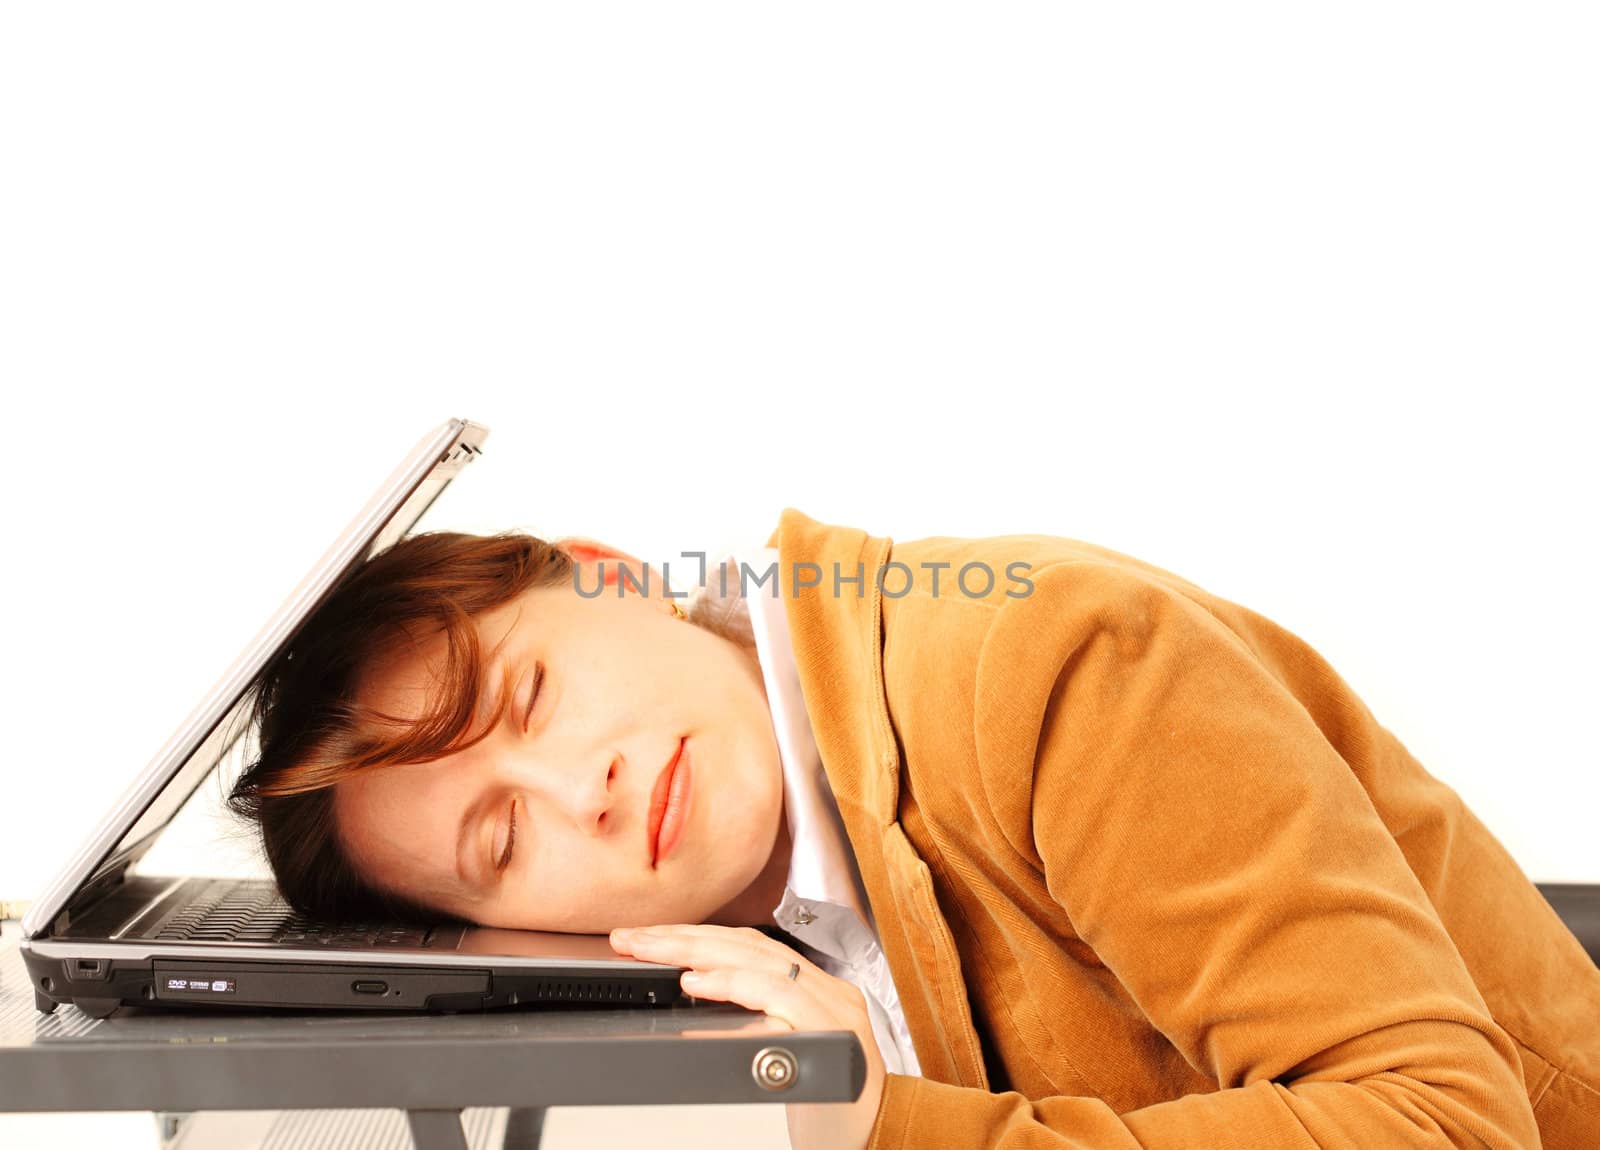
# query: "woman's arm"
x,y
1229,868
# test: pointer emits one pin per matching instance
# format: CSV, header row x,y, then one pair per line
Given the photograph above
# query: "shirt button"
x,y
802,917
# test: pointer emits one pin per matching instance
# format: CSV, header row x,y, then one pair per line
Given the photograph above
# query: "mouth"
x,y
659,796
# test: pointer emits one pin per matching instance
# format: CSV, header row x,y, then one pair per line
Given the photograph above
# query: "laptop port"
x,y
369,986
96,968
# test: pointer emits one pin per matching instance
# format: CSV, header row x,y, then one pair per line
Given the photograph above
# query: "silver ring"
x,y
794,971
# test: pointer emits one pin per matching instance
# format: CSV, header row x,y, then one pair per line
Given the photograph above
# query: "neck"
x,y
754,906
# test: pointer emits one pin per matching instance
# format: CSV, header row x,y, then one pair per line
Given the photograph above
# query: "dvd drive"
x,y
225,982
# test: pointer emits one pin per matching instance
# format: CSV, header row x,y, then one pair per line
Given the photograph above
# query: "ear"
x,y
588,552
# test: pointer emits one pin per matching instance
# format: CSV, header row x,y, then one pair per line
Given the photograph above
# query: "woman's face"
x,y
624,682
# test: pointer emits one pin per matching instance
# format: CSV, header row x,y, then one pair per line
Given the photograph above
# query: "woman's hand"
x,y
742,965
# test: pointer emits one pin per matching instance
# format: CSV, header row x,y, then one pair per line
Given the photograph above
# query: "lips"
x,y
659,795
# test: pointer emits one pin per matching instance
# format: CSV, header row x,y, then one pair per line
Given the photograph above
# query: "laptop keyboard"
x,y
248,910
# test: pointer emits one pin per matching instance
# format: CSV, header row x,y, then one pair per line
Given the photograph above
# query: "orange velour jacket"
x,y
1149,875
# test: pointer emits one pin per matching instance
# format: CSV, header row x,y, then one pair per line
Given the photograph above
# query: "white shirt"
x,y
824,903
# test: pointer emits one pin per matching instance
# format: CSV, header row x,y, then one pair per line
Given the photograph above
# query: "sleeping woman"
x,y
1085,855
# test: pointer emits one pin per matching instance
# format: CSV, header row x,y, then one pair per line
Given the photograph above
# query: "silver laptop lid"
x,y
206,735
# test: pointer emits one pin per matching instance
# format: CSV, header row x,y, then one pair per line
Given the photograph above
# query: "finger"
x,y
775,995
705,953
749,1024
747,935
714,950
704,947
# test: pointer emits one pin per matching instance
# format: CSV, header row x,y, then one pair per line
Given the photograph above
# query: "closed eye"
x,y
533,695
511,839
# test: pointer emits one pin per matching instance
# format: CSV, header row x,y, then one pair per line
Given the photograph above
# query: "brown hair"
x,y
312,734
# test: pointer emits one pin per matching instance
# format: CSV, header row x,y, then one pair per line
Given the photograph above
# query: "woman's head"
x,y
398,746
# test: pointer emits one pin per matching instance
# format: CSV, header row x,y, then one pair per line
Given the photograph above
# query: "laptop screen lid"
x,y
199,744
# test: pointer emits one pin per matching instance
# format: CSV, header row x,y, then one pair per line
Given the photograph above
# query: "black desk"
x,y
431,1066
434,1066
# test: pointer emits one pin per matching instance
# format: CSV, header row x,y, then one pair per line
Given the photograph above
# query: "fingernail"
x,y
692,979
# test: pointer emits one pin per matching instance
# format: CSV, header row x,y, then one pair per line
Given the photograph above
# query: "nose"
x,y
582,793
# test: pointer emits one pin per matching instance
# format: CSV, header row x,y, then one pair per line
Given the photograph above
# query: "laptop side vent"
x,y
563,990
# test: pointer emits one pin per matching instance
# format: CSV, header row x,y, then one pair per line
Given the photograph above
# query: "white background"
x,y
1298,303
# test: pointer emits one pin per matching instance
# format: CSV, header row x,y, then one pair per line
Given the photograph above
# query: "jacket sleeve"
x,y
1225,863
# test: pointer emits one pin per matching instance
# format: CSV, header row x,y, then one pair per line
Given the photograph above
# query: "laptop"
x,y
103,935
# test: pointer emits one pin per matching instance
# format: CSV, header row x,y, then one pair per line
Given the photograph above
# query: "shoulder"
x,y
1093,609
1023,602
978,672
1000,571
985,683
